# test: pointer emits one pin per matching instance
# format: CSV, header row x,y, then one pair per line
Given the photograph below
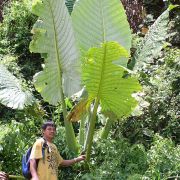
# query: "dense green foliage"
x,y
12,147
138,147
15,36
160,81
117,159
114,157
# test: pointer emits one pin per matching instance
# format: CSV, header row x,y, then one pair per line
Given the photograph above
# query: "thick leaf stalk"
x,y
107,129
82,130
91,130
70,136
111,118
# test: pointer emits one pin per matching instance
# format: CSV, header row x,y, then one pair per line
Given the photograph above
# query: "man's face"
x,y
49,132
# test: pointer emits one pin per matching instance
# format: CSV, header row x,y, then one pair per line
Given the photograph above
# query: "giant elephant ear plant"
x,y
104,70
104,38
108,84
54,39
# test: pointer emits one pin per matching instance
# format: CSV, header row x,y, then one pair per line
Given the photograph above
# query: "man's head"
x,y
49,130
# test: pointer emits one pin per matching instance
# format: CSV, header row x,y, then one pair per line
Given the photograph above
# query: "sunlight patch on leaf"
x,y
110,83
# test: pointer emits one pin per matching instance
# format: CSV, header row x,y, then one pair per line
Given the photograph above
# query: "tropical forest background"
x,y
108,78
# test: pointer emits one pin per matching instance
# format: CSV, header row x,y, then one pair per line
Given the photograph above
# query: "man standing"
x,y
44,166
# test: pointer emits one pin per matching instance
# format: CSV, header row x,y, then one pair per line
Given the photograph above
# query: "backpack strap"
x,y
45,145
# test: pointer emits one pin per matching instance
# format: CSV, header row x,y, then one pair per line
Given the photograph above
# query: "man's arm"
x,y
33,169
73,161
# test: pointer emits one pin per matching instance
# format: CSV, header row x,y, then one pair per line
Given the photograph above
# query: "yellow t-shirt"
x,y
48,168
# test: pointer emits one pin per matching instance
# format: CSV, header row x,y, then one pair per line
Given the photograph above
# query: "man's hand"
x,y
80,158
35,178
70,162
3,176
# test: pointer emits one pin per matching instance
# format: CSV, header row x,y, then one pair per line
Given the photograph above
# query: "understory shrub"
x,y
15,29
161,82
111,159
15,36
117,159
120,160
16,138
163,159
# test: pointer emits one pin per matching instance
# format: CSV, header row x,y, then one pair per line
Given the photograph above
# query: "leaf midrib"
x,y
103,26
104,57
57,51
102,72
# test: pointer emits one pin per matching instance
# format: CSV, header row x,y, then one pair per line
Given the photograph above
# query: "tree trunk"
x,y
2,3
155,7
135,13
1,8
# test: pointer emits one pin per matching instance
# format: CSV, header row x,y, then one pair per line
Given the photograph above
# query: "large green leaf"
x,y
11,92
54,38
99,21
154,41
108,82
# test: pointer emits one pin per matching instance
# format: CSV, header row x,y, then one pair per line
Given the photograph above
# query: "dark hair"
x,y
48,123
